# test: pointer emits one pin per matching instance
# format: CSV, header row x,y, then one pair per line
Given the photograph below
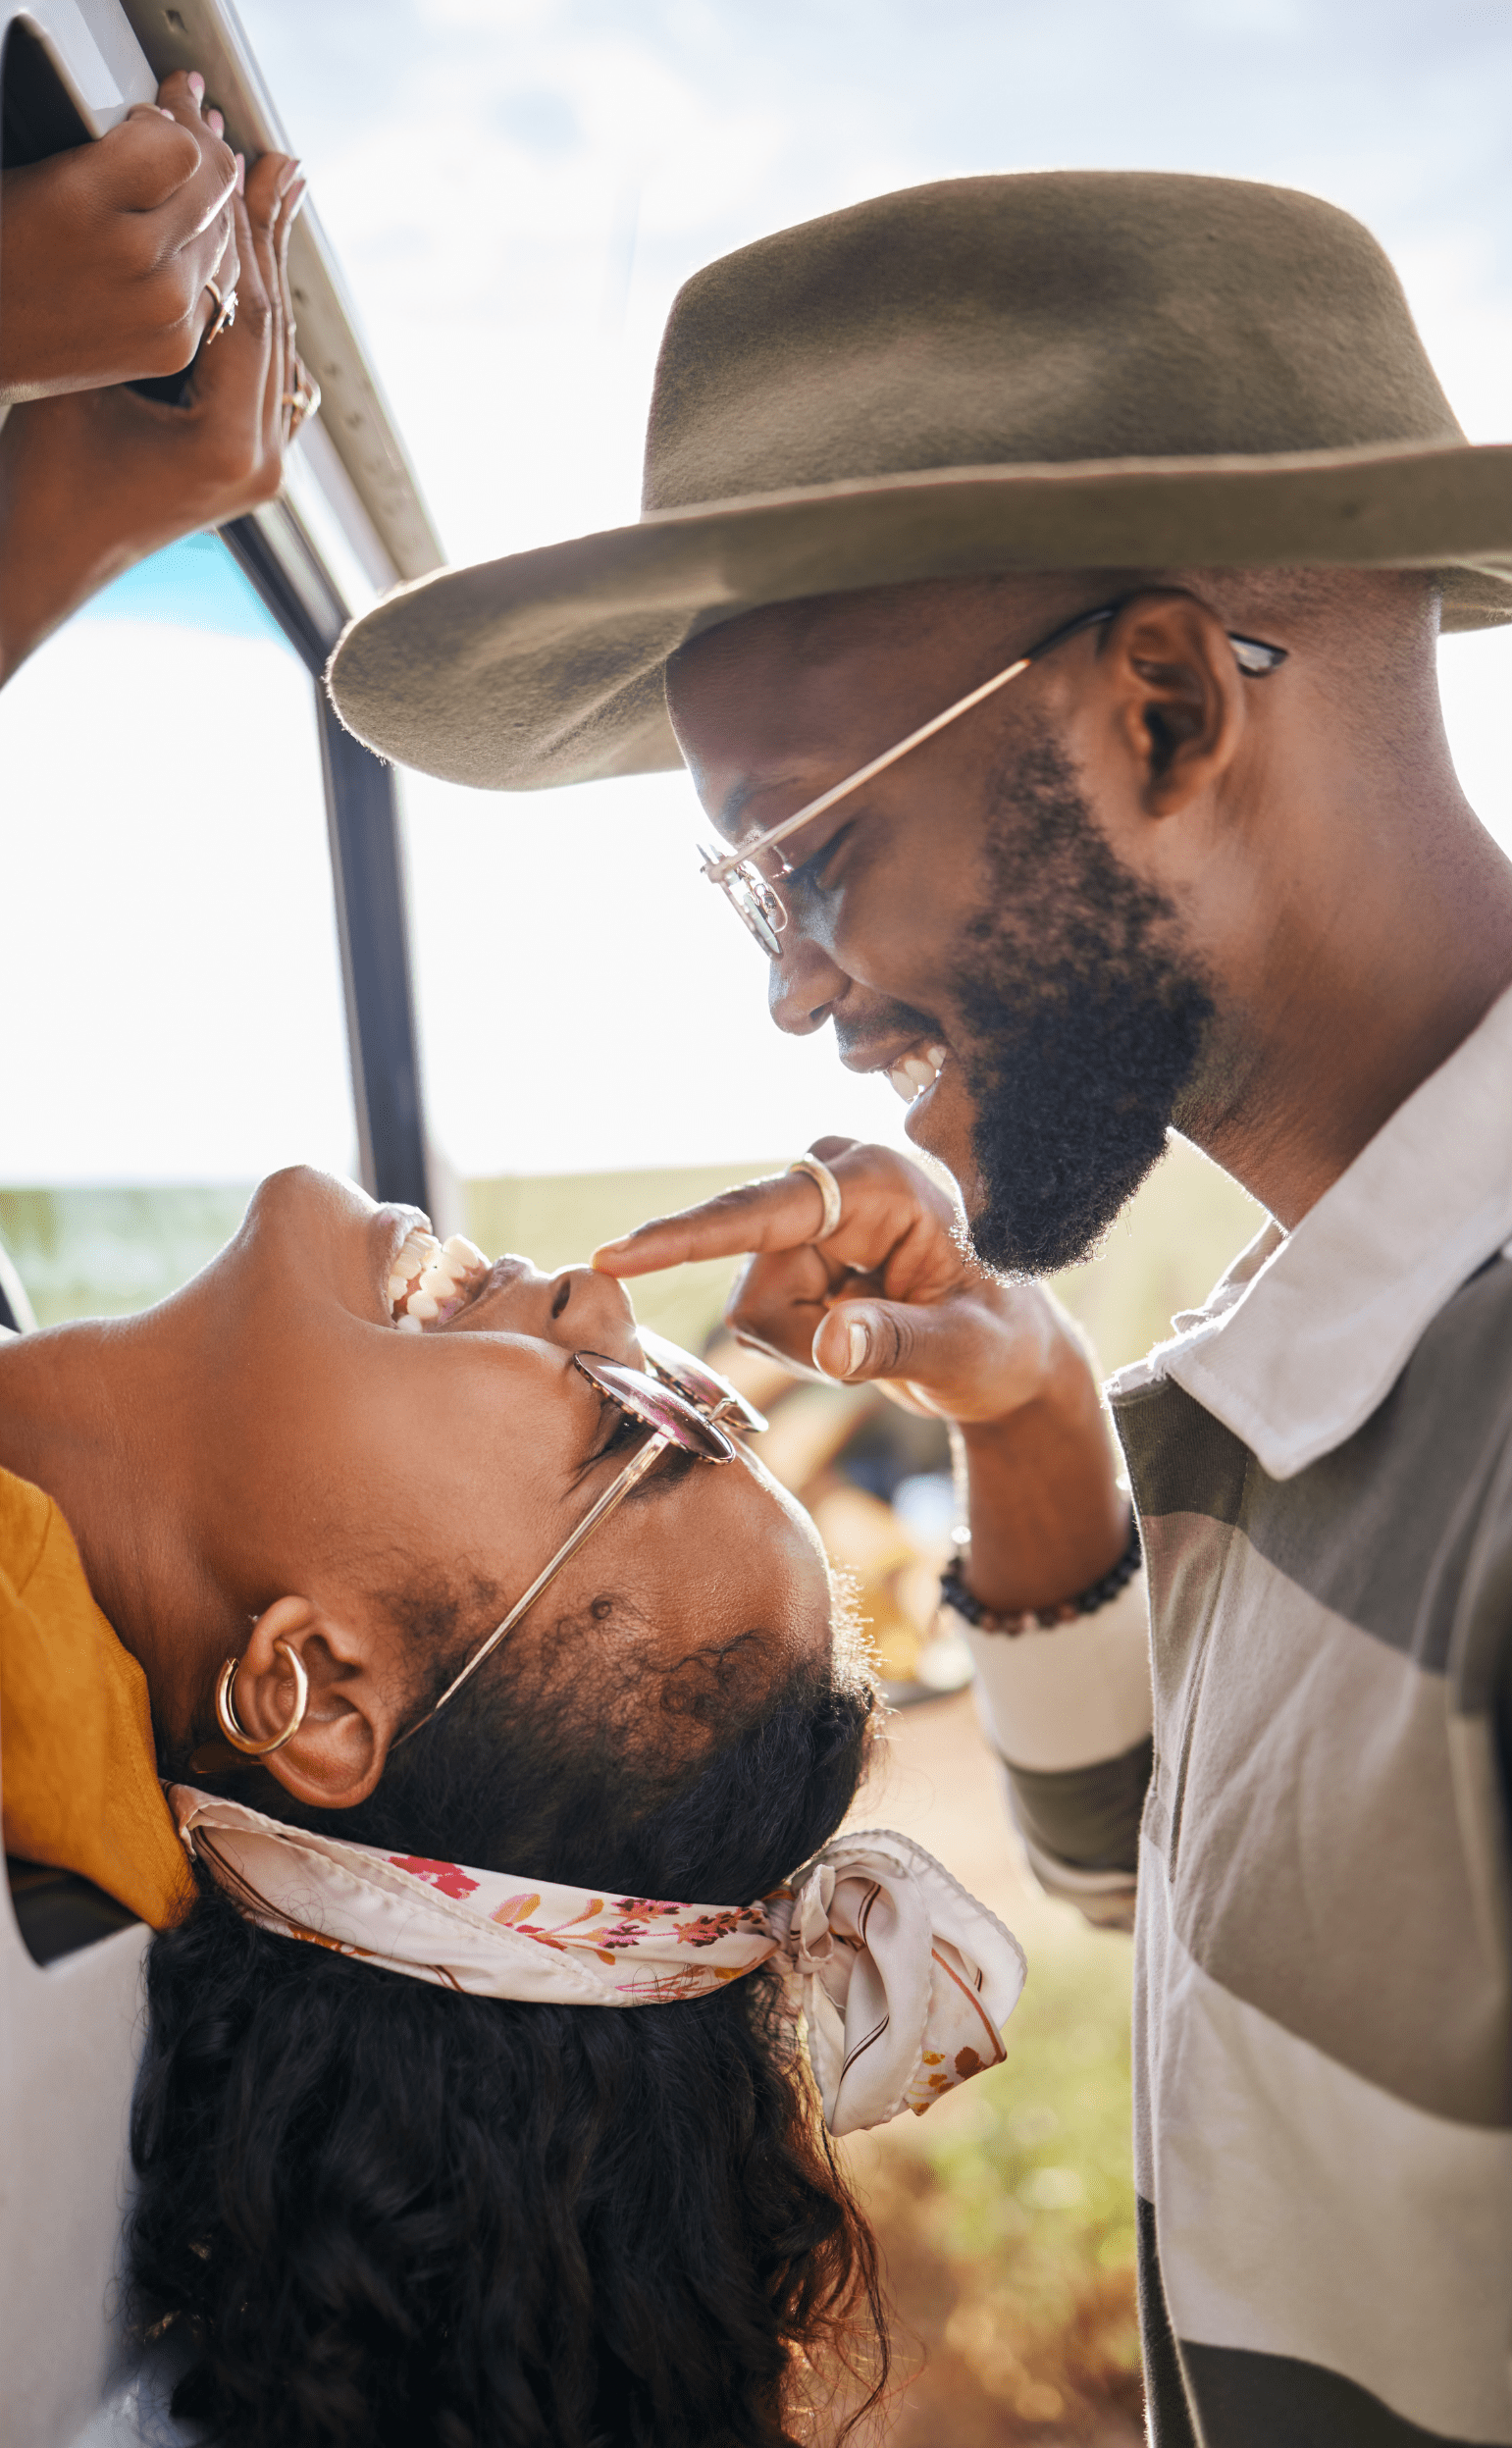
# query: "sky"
x,y
515,189
518,187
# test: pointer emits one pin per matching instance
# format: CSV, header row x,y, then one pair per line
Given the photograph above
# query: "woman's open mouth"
x,y
430,1280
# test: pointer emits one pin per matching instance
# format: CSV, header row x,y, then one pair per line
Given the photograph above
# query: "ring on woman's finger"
x,y
829,1191
302,404
226,312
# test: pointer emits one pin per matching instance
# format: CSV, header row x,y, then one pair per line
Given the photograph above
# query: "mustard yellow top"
x,y
78,1773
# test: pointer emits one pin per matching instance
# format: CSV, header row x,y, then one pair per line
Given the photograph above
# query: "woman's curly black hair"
x,y
381,2214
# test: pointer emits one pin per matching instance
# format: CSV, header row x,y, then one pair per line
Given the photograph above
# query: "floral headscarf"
x,y
904,1981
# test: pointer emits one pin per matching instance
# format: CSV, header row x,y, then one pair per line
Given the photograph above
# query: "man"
x,y
1126,509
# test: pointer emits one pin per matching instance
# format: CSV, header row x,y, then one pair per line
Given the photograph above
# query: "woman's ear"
x,y
338,1753
1178,696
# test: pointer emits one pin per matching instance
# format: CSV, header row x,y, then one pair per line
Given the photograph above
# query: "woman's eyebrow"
x,y
669,1470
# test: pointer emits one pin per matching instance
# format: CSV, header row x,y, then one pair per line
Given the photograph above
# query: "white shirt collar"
x,y
1308,1331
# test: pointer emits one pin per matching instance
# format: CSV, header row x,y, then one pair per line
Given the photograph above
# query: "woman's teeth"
x,y
430,1280
918,1071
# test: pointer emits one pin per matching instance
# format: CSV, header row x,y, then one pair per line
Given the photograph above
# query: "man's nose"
x,y
803,985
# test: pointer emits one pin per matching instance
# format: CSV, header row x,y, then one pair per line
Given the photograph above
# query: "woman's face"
x,y
343,1459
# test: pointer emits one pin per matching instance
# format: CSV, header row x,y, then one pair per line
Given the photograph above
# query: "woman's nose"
x,y
802,985
591,1313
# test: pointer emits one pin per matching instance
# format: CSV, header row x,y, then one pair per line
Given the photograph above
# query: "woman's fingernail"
x,y
857,1344
241,173
197,85
215,123
612,1249
296,203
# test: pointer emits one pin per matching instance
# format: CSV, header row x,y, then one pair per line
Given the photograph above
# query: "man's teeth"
x,y
918,1071
430,1278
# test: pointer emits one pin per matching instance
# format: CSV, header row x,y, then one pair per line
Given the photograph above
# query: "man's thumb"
x,y
867,1338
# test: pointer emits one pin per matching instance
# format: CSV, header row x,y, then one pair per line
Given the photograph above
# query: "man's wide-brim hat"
x,y
1056,371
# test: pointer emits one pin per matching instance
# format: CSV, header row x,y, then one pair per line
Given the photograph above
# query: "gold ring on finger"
x,y
226,312
829,1191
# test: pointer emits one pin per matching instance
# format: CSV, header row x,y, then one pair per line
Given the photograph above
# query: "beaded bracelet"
x,y
964,1602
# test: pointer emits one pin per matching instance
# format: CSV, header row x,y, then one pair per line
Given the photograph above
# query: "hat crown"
x,y
1042,317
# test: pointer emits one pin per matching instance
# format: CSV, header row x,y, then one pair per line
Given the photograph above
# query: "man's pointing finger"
x,y
784,1212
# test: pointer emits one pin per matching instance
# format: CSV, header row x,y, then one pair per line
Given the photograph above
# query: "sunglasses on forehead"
x,y
754,897
683,1404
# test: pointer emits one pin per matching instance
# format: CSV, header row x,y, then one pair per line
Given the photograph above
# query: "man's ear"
x,y
1178,696
342,1746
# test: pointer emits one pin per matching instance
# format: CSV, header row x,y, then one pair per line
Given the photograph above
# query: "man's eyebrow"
x,y
744,793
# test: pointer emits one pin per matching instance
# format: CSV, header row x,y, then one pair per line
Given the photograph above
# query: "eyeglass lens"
x,y
693,1378
756,902
657,1406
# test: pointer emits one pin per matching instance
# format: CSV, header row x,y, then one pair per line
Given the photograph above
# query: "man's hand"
x,y
92,481
891,1297
105,251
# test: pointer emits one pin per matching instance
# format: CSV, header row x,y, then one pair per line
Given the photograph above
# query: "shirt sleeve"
x,y
1069,1713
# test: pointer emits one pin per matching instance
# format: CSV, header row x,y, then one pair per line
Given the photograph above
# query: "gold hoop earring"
x,y
226,1706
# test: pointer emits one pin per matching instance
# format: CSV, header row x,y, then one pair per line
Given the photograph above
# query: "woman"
x,y
460,1644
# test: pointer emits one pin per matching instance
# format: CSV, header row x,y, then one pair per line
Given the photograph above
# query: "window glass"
x,y
171,992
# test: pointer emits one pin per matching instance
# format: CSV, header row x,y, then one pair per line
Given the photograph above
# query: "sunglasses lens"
x,y
699,1382
658,1407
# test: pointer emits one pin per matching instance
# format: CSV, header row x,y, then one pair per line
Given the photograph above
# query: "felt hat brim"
x,y
546,667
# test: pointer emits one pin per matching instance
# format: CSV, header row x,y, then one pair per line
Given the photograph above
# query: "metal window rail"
x,y
349,523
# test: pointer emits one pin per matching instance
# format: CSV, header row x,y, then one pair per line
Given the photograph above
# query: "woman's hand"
x,y
105,251
92,481
891,1297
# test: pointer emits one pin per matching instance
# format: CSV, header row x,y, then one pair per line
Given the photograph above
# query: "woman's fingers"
x,y
194,228
268,188
152,157
298,393
229,388
206,193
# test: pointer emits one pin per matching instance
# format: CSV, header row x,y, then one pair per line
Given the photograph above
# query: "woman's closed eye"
x,y
623,1431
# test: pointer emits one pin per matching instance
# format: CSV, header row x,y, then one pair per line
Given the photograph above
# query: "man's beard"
x,y
1084,1022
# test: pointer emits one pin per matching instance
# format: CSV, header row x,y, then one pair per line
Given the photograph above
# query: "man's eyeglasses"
x,y
754,897
684,1404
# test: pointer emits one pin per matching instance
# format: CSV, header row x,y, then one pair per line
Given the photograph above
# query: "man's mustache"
x,y
884,1022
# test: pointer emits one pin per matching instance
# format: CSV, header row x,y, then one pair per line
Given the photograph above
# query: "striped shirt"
x,y
1314,1813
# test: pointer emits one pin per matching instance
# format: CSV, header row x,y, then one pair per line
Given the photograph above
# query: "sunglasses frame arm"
x,y
612,1497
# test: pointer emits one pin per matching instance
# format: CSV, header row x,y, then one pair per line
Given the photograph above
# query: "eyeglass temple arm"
x,y
612,1497
1252,657
717,869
